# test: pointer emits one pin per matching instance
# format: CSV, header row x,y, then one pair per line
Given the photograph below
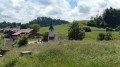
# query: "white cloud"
x,y
26,10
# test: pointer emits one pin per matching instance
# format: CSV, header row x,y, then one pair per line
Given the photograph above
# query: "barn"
x,y
31,33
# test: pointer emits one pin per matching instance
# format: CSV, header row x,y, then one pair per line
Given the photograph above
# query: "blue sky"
x,y
26,10
72,3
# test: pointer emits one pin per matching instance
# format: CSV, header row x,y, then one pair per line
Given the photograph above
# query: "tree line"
x,y
45,21
5,24
109,18
42,21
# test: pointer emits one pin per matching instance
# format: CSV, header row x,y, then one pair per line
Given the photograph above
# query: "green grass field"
x,y
1,41
66,54
33,39
1,33
59,29
90,36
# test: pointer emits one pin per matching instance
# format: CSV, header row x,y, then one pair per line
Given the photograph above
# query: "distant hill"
x,y
61,29
84,22
45,21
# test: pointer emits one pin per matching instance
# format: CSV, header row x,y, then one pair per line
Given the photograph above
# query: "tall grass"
x,y
1,43
66,54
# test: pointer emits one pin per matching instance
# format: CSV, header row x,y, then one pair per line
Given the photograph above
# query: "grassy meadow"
x,y
67,53
1,43
90,36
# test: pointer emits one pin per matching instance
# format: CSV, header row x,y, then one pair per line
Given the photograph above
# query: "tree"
x,y
5,24
109,18
23,40
11,26
76,32
35,27
101,36
23,27
45,21
14,24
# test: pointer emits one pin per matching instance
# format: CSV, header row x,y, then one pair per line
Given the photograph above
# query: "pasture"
x,y
90,36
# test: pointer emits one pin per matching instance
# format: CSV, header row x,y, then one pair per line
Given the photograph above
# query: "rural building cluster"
x,y
10,36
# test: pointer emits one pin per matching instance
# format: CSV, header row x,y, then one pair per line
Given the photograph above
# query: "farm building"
x,y
8,32
31,33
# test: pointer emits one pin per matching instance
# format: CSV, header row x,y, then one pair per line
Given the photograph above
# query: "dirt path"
x,y
8,44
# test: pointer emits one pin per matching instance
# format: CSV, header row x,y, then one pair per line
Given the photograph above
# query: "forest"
x,y
45,21
5,24
42,21
109,18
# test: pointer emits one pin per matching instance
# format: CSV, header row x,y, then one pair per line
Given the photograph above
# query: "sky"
x,y
26,10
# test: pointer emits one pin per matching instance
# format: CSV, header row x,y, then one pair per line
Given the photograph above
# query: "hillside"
x,y
66,54
63,29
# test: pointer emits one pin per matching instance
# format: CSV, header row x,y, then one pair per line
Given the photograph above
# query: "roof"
x,y
23,31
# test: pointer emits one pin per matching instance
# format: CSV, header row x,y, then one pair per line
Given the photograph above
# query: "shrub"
x,y
117,28
87,29
22,40
35,27
109,29
108,36
76,32
101,36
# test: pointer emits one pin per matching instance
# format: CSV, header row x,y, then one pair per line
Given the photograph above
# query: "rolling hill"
x,y
63,29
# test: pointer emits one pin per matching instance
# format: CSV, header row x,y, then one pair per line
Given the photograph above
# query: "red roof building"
x,y
25,31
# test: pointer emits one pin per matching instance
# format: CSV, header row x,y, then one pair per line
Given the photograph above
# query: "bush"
x,y
109,29
35,27
76,32
108,36
22,40
117,28
101,36
87,29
